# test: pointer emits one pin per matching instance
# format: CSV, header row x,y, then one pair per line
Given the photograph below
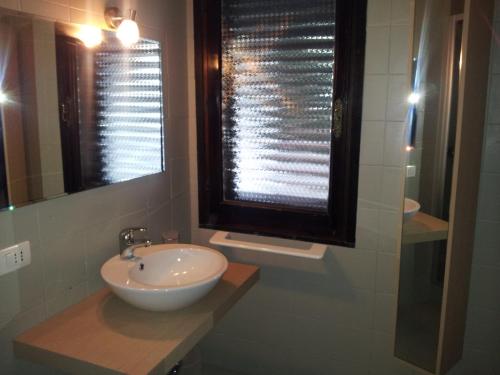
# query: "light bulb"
x,y
413,98
3,97
91,36
128,32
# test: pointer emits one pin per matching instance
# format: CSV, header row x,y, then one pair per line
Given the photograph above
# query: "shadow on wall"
x,y
324,278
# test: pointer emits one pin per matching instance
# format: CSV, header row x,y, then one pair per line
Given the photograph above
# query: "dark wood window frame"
x,y
337,225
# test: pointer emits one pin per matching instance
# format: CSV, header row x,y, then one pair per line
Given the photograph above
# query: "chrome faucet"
x,y
128,242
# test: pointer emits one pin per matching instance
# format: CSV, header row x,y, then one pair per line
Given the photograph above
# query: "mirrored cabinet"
x,y
449,61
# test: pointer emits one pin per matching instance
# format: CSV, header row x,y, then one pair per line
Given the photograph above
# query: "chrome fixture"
x,y
128,242
126,27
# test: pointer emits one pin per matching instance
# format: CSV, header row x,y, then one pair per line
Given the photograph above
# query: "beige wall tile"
x,y
11,4
46,9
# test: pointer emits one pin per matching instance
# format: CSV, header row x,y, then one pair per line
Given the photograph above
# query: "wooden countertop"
x,y
104,335
424,228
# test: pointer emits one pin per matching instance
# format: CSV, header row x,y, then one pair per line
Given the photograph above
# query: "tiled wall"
x,y
482,340
334,316
72,236
338,316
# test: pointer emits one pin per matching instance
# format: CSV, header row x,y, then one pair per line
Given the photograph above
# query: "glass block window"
x,y
277,89
129,114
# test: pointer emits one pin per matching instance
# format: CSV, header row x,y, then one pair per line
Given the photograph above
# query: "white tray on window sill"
x,y
315,251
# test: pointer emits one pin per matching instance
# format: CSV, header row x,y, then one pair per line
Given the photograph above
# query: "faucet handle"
x,y
127,235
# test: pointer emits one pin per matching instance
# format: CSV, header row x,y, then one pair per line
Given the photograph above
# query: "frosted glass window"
x,y
129,112
277,90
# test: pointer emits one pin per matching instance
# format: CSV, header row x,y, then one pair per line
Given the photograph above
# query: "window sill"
x,y
314,251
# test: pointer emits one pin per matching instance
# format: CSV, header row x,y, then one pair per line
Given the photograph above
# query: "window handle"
x,y
338,110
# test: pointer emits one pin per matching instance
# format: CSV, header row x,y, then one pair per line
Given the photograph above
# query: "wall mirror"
x,y
442,176
78,110
437,39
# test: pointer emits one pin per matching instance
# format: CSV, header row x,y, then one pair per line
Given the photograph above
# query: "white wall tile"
x,y
491,149
400,12
63,263
489,197
367,228
483,329
379,12
495,52
394,145
100,245
377,50
374,97
483,288
159,222
372,143
383,361
486,256
6,230
66,298
179,176
31,281
474,362
493,115
181,218
399,49
385,312
389,230
397,105
355,268
487,234
370,183
386,273
392,189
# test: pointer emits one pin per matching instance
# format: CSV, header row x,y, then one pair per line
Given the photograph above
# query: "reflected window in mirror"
x,y
111,111
73,117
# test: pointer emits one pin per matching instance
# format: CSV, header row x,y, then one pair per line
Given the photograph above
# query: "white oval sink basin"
x,y
411,208
165,277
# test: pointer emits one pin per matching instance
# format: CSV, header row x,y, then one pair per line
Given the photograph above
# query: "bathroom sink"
x,y
411,208
165,277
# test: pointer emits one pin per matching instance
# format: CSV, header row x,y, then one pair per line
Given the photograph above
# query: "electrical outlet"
x,y
411,170
15,257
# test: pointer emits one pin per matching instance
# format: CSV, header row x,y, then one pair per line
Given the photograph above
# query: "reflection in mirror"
x,y
431,142
77,109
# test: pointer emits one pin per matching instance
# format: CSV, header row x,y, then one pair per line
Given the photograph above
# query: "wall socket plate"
x,y
411,170
15,257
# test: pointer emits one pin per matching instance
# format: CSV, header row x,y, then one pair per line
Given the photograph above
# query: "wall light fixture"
x,y
91,36
126,27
